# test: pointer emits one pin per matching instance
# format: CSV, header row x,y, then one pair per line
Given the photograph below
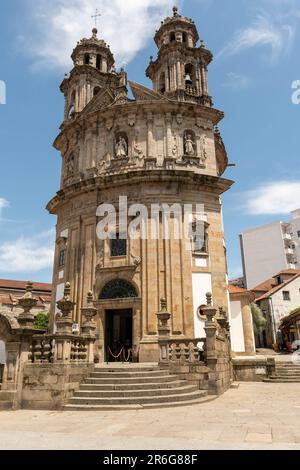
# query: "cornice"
x,y
140,177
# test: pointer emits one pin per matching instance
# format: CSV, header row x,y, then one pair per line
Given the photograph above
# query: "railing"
x,y
61,349
190,90
186,350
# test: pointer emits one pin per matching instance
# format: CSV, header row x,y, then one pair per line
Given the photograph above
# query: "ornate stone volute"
x,y
27,302
163,317
66,306
88,313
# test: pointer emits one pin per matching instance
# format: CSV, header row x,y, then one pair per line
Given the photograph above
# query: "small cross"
x,y
96,16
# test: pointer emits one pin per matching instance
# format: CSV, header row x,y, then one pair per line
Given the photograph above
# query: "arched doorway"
x,y
118,335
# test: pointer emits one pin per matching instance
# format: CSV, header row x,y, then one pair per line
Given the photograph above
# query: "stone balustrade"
x,y
206,361
61,349
186,350
65,347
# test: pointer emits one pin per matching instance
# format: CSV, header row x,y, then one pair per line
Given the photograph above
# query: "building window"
x,y
200,240
298,233
118,247
286,295
62,258
118,289
172,37
98,62
87,59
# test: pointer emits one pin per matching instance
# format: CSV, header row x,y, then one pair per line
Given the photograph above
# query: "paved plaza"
x,y
254,416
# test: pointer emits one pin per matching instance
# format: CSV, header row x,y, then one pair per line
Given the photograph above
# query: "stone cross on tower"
x,y
96,16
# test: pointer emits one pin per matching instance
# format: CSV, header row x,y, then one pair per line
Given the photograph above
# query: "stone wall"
x,y
49,386
254,369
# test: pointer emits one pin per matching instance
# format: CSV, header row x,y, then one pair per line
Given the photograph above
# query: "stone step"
x,y
287,371
126,368
125,374
142,400
130,380
171,404
288,366
135,386
134,393
277,379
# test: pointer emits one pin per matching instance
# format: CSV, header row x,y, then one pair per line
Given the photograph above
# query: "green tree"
x,y
41,321
259,321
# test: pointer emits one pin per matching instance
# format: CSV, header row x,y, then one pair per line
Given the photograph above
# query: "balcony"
x,y
289,251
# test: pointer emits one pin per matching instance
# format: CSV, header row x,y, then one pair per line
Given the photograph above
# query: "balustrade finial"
x,y
90,298
67,291
209,298
163,305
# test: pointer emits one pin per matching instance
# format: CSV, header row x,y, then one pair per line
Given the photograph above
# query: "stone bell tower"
x,y
93,69
163,147
180,70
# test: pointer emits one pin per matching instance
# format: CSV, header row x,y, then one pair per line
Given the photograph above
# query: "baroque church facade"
x,y
162,146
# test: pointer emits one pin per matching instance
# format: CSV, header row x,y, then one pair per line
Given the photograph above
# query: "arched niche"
x,y
162,83
98,62
121,144
173,37
87,59
189,143
190,75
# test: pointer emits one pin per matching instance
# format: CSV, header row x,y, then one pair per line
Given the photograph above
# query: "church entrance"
x,y
118,335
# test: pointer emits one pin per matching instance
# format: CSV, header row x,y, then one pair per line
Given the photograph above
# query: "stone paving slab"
x,y
254,416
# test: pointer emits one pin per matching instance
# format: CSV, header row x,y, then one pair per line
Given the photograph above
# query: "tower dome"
x,y
93,68
94,52
180,71
177,28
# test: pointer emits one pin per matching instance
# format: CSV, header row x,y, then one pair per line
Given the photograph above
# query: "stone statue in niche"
x,y
121,147
138,154
203,156
189,145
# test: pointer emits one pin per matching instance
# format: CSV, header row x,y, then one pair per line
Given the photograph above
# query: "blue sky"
x,y
255,44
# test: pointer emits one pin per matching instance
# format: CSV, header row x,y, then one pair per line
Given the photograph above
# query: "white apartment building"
x,y
269,249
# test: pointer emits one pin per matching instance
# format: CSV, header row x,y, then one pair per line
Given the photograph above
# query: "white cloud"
x,y
237,81
58,25
275,32
3,203
278,197
27,254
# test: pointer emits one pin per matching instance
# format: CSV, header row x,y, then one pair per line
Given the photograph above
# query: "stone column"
x,y
211,331
77,101
248,327
167,76
150,150
175,77
180,77
169,135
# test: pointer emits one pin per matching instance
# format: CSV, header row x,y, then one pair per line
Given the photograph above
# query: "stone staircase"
x,y
285,372
134,387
